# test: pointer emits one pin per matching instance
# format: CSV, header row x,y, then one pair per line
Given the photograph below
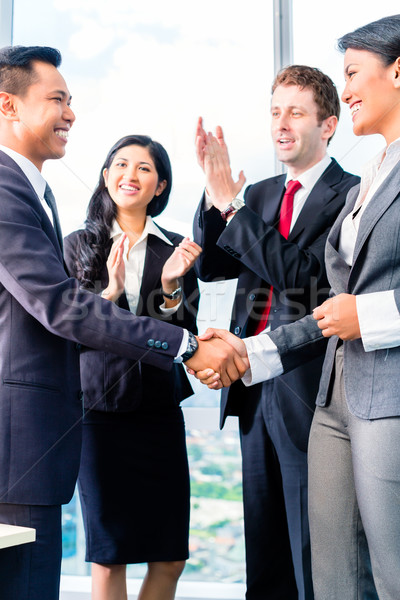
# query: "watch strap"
x,y
191,347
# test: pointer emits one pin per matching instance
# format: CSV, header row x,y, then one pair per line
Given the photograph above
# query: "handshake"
x,y
220,359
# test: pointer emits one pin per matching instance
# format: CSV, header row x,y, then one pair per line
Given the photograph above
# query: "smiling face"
x,y
132,180
373,94
43,116
299,138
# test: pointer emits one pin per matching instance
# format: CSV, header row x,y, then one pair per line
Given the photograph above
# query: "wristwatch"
x,y
190,348
173,295
233,206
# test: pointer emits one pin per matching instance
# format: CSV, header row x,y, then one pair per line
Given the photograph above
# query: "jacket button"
x,y
252,297
150,343
78,347
164,346
157,344
237,330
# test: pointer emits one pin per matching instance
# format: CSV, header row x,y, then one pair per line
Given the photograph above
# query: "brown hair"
x,y
324,90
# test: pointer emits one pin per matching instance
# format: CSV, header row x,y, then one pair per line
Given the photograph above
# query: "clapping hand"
x,y
213,157
116,270
179,263
216,376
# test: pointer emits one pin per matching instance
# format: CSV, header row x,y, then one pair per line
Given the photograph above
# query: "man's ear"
x,y
8,106
329,126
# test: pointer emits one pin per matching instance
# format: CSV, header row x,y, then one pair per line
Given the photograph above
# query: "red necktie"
x,y
285,220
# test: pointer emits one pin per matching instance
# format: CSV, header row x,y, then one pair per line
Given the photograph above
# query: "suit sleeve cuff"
x,y
183,346
379,320
265,362
169,311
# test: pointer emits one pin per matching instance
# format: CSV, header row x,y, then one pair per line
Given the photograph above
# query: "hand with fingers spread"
x,y
116,270
211,375
338,316
178,264
212,155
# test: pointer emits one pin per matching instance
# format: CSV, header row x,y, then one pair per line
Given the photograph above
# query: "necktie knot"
x,y
292,187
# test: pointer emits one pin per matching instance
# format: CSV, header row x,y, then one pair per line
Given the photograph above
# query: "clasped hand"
x,y
338,316
220,359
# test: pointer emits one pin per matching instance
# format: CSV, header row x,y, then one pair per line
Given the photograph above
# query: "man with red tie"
x,y
273,242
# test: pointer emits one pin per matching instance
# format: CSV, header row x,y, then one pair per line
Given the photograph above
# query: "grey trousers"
x,y
354,502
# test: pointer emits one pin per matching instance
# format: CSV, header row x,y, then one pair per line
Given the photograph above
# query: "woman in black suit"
x,y
134,480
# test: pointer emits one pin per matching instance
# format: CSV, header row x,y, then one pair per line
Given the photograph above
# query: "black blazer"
x,y
44,317
113,383
252,250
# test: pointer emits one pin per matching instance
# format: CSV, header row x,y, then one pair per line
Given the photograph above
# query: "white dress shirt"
x,y
134,263
377,312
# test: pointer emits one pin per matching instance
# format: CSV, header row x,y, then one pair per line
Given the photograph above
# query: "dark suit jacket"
x,y
114,383
251,249
44,316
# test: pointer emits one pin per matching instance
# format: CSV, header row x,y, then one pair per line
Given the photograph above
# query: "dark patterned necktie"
x,y
51,201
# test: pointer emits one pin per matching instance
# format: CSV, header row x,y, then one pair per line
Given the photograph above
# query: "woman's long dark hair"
x,y
95,238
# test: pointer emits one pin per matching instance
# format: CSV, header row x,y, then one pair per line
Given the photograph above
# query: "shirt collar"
x,y
392,151
310,177
149,228
31,172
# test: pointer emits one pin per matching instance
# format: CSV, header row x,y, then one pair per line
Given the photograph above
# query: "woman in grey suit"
x,y
354,458
133,479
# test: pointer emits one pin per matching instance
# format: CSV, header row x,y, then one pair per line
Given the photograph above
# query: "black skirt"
x,y
134,486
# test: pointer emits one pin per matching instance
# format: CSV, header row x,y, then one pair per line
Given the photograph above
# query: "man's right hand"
x,y
213,157
218,356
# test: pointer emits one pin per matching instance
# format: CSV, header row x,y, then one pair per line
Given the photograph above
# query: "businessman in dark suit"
x,y
44,318
274,244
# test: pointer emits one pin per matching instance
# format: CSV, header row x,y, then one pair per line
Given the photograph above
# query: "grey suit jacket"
x,y
371,378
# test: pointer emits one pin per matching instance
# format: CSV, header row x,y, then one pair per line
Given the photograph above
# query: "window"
x,y
154,69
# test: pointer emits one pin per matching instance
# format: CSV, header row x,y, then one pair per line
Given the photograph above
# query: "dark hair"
x,y
95,238
17,70
379,37
324,90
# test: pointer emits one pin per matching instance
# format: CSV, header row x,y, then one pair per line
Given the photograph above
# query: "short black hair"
x,y
17,70
380,37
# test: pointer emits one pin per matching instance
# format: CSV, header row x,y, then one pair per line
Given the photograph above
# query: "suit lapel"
x,y
34,199
336,267
377,206
321,194
272,200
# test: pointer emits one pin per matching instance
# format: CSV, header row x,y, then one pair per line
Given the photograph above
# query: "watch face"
x,y
237,203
